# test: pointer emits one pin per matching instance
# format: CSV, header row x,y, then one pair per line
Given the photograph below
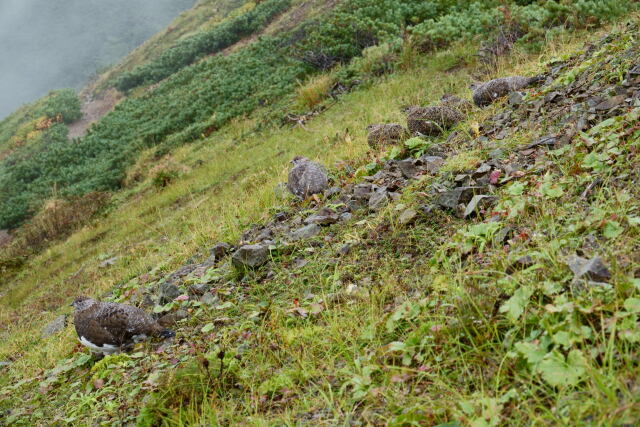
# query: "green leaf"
x,y
559,372
207,328
612,229
516,189
633,221
514,307
533,353
551,189
632,305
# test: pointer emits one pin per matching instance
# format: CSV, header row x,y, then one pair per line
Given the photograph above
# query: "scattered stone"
x,y
54,327
299,263
479,203
346,216
307,178
250,256
408,168
431,163
209,299
515,99
591,269
432,120
408,216
381,135
199,289
486,93
344,249
520,264
168,292
461,195
219,250
172,318
333,191
378,200
107,263
306,232
503,234
325,216
611,103
362,191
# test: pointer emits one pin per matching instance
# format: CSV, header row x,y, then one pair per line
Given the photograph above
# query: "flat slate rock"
x,y
250,256
54,327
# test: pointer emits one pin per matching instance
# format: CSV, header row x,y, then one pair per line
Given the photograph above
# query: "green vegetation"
x,y
201,98
434,322
189,50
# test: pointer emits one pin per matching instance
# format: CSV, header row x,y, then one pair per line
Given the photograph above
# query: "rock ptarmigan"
x,y
307,178
109,328
485,93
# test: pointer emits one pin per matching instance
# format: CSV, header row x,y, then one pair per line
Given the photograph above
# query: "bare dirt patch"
x,y
93,109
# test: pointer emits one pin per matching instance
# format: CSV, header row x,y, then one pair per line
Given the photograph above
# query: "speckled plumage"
x,y
432,120
488,92
110,327
383,134
307,178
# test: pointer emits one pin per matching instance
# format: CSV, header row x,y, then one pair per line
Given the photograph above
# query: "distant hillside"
x,y
49,45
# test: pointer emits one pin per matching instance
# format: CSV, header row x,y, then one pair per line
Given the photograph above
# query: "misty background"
x,y
55,44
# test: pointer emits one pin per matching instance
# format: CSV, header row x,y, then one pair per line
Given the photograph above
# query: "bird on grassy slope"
x,y
307,178
108,328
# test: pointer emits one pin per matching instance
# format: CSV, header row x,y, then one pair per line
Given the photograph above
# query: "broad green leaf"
x,y
612,229
533,353
516,189
207,328
558,372
514,307
632,305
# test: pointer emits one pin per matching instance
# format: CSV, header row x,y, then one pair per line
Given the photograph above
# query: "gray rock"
x,y
305,232
408,168
54,327
307,178
172,318
461,195
408,216
199,288
4,364
431,163
220,249
109,262
516,98
344,249
250,256
168,292
333,191
325,216
209,299
362,191
591,269
346,216
378,200
478,203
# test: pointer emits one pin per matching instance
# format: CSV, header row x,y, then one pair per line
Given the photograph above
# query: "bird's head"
x,y
299,159
82,302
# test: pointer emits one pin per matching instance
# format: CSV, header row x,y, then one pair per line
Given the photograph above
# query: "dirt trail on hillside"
x,y
93,109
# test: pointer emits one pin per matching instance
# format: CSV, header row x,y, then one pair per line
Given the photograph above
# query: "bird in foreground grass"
x,y
307,178
108,328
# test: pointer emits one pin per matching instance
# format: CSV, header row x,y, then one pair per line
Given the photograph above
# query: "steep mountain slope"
x,y
409,312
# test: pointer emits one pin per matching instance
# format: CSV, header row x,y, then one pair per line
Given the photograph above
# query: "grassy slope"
x,y
314,369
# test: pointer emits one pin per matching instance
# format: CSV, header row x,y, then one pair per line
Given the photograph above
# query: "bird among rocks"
x,y
108,328
385,134
307,178
485,93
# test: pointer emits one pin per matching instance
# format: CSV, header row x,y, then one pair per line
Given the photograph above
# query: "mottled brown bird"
x,y
485,93
307,178
432,120
384,134
109,328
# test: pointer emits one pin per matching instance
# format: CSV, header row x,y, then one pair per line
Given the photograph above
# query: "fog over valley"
x,y
46,45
